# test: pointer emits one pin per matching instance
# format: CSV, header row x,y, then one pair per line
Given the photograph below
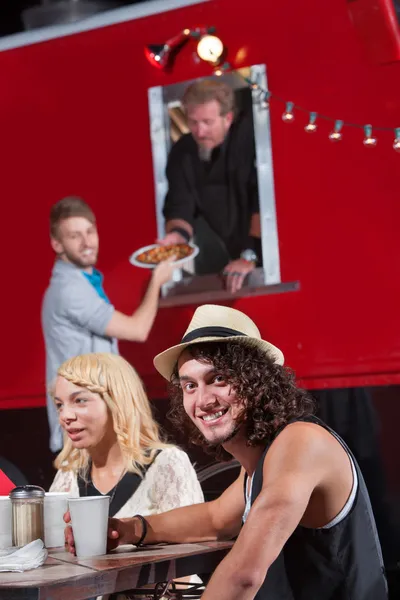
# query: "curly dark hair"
x,y
270,396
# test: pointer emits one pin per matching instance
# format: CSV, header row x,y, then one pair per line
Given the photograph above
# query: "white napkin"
x,y
31,556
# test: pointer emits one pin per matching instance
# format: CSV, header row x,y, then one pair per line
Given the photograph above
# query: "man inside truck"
x,y
77,316
212,184
300,510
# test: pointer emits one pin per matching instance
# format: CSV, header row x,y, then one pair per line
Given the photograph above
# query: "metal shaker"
x,y
27,514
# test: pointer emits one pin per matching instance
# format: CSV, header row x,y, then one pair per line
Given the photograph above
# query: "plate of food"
x,y
149,257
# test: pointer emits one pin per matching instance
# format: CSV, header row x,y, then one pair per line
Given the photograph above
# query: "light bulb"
x,y
288,115
369,140
336,135
311,126
265,100
210,48
396,143
218,71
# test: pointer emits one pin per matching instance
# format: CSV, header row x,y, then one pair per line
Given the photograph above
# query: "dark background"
x,y
10,13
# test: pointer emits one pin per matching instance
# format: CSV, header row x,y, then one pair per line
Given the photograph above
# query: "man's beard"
x,y
205,153
79,263
227,438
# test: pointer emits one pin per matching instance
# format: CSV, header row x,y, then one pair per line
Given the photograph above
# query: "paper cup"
x,y
55,507
5,522
89,519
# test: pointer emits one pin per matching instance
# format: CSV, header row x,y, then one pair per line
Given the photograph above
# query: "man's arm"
x,y
180,205
237,270
294,467
217,520
136,327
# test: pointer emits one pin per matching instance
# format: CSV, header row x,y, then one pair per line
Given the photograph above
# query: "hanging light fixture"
x,y
160,55
396,143
288,115
265,99
311,126
369,140
218,71
336,134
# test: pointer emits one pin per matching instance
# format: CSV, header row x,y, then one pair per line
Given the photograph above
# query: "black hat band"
x,y
211,331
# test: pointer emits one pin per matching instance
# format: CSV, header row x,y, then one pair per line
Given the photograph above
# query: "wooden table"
x,y
65,577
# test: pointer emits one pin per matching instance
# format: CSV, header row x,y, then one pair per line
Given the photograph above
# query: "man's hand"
x,y
120,531
163,271
235,273
172,238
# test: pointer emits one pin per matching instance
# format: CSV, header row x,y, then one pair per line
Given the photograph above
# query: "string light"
x,y
288,116
369,140
336,135
265,100
212,50
220,69
396,143
312,126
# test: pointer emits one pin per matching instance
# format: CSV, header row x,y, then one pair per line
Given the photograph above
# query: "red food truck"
x,y
84,111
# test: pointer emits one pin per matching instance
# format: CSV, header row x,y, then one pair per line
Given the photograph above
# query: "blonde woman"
x,y
112,445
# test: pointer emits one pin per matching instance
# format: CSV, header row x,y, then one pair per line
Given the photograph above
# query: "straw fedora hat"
x,y
213,323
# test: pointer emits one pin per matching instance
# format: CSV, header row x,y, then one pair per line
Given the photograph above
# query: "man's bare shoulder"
x,y
301,442
305,431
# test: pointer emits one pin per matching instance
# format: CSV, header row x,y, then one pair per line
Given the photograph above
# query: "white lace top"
x,y
170,482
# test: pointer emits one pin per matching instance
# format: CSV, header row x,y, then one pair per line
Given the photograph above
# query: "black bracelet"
x,y
181,232
144,529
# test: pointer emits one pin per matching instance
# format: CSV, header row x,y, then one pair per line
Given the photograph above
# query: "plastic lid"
x,y
27,491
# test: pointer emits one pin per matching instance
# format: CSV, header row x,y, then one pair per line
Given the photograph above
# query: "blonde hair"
x,y
121,388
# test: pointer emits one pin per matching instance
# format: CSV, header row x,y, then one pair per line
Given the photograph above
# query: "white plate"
x,y
133,257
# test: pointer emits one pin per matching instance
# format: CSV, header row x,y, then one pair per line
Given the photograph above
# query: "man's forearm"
x,y
229,583
144,316
182,525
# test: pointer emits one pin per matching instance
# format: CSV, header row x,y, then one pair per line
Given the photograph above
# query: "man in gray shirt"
x,y
77,316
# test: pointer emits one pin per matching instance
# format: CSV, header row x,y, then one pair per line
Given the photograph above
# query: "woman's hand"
x,y
120,531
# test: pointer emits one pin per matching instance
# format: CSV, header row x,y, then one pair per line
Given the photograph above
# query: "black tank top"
x,y
343,562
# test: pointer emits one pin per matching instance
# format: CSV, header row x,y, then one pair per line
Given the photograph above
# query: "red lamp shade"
x,y
157,55
160,55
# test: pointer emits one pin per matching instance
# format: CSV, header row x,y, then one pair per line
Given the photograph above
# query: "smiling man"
x,y
77,316
300,509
